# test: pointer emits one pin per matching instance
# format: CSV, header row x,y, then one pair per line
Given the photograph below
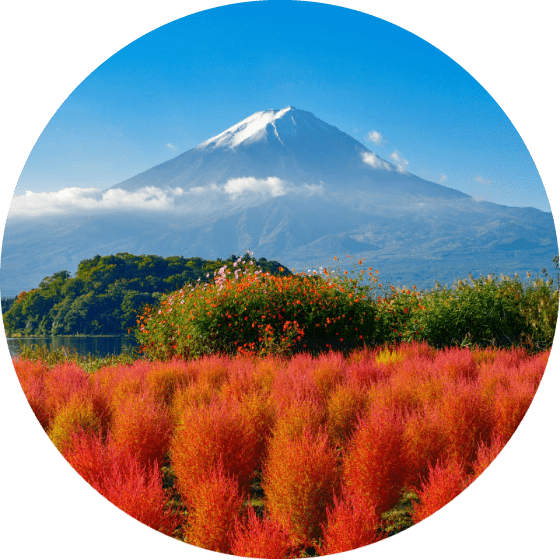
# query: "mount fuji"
x,y
291,188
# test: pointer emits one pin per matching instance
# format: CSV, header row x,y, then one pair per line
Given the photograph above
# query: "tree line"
x,y
106,293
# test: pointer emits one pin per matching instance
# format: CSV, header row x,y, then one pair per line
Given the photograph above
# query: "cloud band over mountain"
x,y
76,200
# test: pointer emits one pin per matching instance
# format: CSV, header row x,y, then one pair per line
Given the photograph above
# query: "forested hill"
x,y
105,294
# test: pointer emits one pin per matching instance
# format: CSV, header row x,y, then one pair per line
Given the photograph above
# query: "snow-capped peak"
x,y
252,128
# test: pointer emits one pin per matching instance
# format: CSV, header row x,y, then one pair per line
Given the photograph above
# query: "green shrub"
x,y
250,312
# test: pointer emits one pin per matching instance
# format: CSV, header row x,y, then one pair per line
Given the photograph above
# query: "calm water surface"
x,y
84,345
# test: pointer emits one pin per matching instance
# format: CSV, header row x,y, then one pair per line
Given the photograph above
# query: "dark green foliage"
x,y
7,303
105,295
487,311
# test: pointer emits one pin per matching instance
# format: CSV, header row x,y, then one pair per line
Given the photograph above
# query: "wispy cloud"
x,y
400,162
376,137
442,178
482,180
372,160
171,146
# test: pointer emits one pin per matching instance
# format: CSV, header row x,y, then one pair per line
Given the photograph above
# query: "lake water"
x,y
84,345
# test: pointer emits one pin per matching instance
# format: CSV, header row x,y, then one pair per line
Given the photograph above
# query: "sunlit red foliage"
x,y
260,538
119,476
344,406
336,441
486,453
300,478
375,465
219,431
466,419
424,440
77,415
63,383
446,480
214,508
351,524
31,376
141,425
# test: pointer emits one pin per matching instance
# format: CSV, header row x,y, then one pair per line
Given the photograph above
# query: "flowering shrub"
x,y
250,312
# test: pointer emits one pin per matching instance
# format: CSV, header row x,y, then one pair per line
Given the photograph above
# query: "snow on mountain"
x,y
291,145
290,187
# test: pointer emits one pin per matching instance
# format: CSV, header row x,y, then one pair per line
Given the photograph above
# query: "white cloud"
x,y
372,160
171,146
442,178
482,180
269,187
397,157
272,186
87,201
376,137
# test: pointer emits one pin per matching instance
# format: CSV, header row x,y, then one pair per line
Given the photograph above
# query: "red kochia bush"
x,y
510,406
142,426
31,376
120,477
78,414
90,457
486,454
350,524
63,383
260,538
425,441
49,390
137,490
300,478
213,510
209,433
466,419
376,464
445,482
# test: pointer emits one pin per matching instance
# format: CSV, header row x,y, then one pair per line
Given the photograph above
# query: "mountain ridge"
x,y
292,188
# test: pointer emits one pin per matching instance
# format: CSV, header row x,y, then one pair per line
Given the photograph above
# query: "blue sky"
x,y
191,79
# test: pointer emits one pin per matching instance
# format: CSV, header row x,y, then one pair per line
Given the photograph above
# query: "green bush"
x,y
488,311
247,311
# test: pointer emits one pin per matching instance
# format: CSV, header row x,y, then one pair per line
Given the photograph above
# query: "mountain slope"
x,y
293,189
292,145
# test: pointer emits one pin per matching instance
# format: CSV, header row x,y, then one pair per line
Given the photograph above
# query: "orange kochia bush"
x,y
280,456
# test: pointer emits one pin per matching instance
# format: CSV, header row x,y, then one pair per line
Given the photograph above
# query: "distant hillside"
x,y
105,294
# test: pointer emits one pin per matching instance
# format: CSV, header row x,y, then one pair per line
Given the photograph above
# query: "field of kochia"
x,y
279,456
